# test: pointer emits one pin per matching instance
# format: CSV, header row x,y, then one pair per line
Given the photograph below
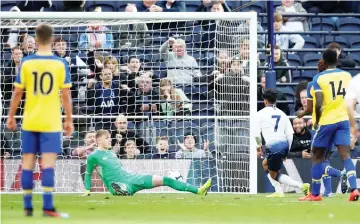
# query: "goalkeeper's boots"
x,y
55,214
354,195
204,189
28,212
311,197
276,195
305,189
343,180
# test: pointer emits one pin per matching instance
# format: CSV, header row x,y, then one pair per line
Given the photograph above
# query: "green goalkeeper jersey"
x,y
108,167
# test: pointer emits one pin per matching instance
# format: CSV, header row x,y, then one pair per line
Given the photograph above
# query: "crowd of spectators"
x,y
119,81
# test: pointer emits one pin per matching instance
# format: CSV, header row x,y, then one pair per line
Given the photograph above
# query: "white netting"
x,y
122,66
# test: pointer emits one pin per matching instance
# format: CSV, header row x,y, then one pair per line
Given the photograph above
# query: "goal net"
x,y
174,90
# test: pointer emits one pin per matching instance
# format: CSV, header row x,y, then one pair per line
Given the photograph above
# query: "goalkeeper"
x,y
120,182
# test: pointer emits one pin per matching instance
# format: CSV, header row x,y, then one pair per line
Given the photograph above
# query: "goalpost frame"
x,y
179,16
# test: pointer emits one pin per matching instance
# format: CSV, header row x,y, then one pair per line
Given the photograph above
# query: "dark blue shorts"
x,y
332,134
41,142
275,161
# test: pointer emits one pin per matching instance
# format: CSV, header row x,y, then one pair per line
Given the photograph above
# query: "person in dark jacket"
x,y
282,106
342,61
33,5
279,60
122,135
301,144
172,6
299,88
145,93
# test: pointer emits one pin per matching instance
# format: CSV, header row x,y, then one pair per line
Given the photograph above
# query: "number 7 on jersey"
x,y
277,117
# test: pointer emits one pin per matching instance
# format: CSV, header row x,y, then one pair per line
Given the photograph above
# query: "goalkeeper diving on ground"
x,y
122,183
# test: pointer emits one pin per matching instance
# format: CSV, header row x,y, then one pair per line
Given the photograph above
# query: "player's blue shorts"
x,y
332,134
41,142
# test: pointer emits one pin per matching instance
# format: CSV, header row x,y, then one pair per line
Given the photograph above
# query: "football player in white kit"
x,y
352,98
276,132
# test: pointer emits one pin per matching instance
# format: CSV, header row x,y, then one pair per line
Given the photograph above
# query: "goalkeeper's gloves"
x,y
87,193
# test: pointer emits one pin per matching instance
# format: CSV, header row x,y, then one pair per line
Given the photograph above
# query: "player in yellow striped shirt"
x,y
42,75
331,124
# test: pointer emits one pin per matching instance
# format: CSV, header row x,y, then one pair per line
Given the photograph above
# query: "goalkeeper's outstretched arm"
x,y
89,169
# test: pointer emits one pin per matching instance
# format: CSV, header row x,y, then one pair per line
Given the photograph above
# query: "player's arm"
x,y
66,101
19,86
90,164
351,98
318,101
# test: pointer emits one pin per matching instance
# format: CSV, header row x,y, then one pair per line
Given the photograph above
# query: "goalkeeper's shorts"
x,y
131,185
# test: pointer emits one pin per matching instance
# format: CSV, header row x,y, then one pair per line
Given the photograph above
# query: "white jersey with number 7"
x,y
275,128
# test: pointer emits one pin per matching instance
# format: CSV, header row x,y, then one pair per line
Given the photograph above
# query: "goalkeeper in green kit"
x,y
122,183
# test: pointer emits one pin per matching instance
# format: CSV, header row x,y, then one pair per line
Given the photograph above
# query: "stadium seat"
x,y
325,41
295,76
258,6
310,42
308,74
354,57
322,24
348,24
7,5
294,60
311,59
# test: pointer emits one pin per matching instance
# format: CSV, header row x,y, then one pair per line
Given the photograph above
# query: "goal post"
x,y
220,109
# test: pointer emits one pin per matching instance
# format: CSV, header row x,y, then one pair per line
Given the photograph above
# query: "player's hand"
x,y
87,193
306,155
11,124
68,128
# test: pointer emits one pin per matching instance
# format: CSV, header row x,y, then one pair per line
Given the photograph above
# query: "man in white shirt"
x,y
276,132
352,99
284,40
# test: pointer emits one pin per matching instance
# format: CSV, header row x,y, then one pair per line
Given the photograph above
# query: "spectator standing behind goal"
x,y
122,135
28,45
11,36
284,41
301,145
106,98
293,23
33,5
145,94
9,73
96,37
161,6
137,37
60,49
189,151
179,59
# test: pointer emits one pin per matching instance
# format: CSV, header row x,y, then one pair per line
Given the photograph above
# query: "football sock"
x,y
275,184
317,171
331,171
285,179
179,185
48,186
350,173
327,183
27,186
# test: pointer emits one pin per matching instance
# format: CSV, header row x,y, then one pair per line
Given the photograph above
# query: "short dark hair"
x,y
161,138
59,39
330,57
270,95
132,57
44,33
334,46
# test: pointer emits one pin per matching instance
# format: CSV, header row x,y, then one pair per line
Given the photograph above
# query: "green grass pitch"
x,y
184,208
